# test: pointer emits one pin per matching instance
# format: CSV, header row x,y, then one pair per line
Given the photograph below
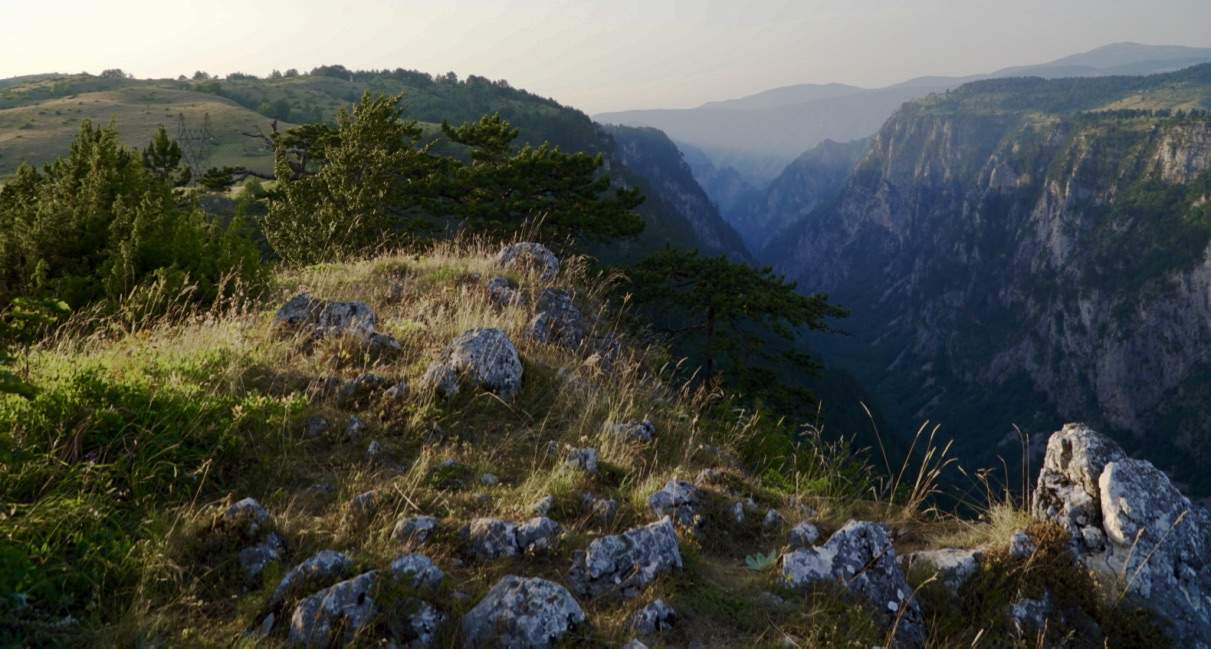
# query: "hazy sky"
x,y
594,54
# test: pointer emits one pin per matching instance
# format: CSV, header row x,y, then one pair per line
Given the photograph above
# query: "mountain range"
x,y
760,134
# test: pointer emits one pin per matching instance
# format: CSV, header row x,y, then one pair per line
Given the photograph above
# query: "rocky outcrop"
x,y
488,539
557,319
522,613
952,566
318,571
1130,525
680,501
316,318
485,358
860,558
624,564
653,618
531,257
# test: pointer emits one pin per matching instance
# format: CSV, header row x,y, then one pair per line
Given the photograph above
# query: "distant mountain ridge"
x,y
784,122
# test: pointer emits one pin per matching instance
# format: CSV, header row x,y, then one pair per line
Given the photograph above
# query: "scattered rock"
x,y
537,535
483,357
491,538
396,393
1127,518
247,518
543,506
557,319
356,428
952,566
503,292
634,644
320,318
642,431
334,615
626,563
255,559
363,505
318,571
654,618
773,519
1028,616
489,480
737,512
678,500
418,568
1021,546
803,535
529,256
861,558
522,613
414,531
374,450
584,459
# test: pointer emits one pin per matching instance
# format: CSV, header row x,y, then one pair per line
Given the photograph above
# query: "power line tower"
x,y
196,142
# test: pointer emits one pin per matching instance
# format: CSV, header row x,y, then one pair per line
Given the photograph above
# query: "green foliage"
x,y
100,223
92,456
163,158
368,182
371,169
20,324
761,562
732,308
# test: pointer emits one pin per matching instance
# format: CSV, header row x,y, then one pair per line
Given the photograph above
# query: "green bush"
x,y
99,223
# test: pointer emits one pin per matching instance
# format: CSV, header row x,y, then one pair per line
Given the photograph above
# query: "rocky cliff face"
x,y
1019,266
671,190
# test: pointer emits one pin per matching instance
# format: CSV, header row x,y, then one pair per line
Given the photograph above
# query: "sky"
x,y
597,55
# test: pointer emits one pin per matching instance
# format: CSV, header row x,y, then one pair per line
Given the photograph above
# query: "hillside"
x,y
1028,251
211,119
250,478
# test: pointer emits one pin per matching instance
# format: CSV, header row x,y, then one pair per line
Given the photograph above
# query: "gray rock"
x,y
1132,526
1028,616
374,450
655,617
803,535
737,511
396,393
356,428
489,480
680,501
773,519
522,613
1021,546
952,566
483,357
642,431
537,535
529,256
503,292
414,531
247,518
492,538
557,319
364,505
254,560
1067,491
626,563
318,571
543,506
419,569
634,644
334,615
861,558
584,459
320,318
